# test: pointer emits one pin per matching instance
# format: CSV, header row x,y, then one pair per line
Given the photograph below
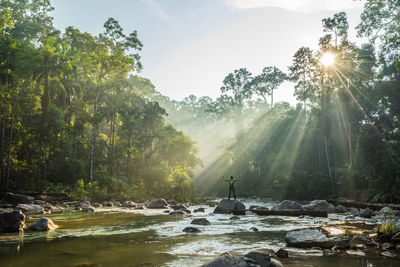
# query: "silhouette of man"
x,y
231,187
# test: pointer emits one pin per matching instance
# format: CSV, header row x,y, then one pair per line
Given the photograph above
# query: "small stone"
x,y
191,230
389,254
88,209
200,221
366,213
200,210
254,229
340,208
177,213
387,246
234,218
282,253
355,253
275,263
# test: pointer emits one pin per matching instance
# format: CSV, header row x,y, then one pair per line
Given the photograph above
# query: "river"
x,y
127,237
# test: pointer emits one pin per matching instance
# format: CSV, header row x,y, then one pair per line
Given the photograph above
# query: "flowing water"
x,y
125,237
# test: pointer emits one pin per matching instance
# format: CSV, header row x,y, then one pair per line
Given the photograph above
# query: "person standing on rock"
x,y
231,187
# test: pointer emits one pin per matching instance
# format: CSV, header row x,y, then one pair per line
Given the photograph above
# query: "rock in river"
x,y
227,260
201,221
366,213
17,199
287,205
319,205
43,224
227,206
312,238
30,208
13,221
191,230
158,204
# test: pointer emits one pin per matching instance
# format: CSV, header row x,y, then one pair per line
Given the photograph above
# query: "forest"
x,y
77,117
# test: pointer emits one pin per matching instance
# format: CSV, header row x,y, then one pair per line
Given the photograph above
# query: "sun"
x,y
327,59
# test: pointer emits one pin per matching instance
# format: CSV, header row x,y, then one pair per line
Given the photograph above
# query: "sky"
x,y
190,46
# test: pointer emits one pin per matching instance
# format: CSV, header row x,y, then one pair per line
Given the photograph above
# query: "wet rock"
x,y
13,221
56,208
30,208
227,260
312,238
178,213
181,207
158,204
260,258
43,224
108,204
129,204
227,206
340,208
116,203
43,203
356,253
12,198
318,205
287,205
84,204
254,229
360,240
253,207
200,210
353,211
234,218
389,254
172,202
191,230
88,209
200,221
387,246
386,211
97,205
366,213
282,253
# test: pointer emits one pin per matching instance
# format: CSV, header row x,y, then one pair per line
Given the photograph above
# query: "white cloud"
x,y
304,6
157,9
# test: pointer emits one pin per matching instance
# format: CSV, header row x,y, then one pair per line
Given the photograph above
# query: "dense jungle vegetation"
x,y
76,117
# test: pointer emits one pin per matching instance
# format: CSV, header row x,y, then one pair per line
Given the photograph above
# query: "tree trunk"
x,y
93,141
272,98
9,152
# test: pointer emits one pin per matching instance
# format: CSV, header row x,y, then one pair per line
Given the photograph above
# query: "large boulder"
x,y
30,208
387,211
227,206
158,204
313,238
17,199
12,221
227,260
43,224
287,205
319,205
262,259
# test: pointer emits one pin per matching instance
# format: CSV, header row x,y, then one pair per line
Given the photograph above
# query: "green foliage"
x,y
387,228
73,121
